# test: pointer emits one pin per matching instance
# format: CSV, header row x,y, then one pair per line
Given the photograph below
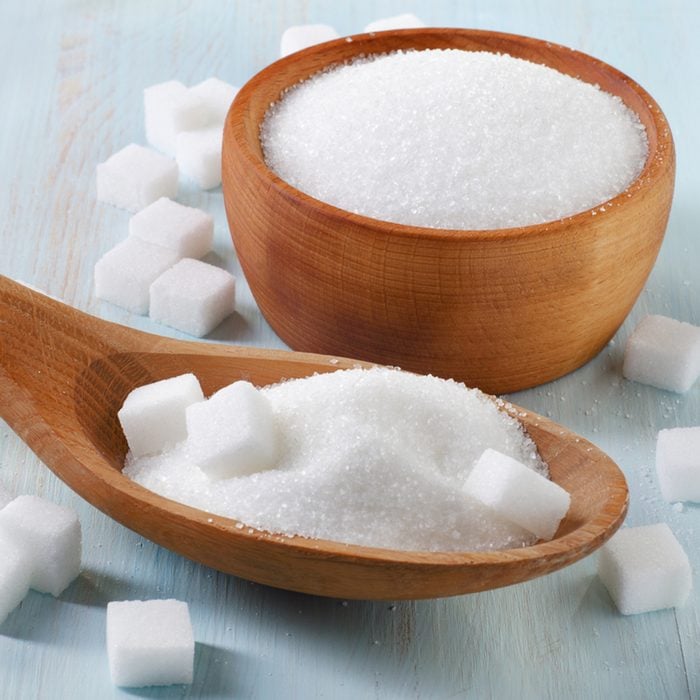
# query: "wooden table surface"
x,y
70,89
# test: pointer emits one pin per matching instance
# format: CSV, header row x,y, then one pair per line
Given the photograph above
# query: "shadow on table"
x,y
44,619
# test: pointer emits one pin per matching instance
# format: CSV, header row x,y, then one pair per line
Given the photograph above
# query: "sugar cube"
x,y
124,274
233,433
193,297
50,534
305,35
217,96
153,416
678,463
136,176
663,352
170,108
199,155
518,493
644,569
15,574
149,642
166,223
405,21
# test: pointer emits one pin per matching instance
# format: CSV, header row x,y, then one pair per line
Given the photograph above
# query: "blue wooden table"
x,y
70,95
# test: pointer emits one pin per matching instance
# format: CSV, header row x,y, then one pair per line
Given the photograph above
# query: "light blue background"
x,y
70,95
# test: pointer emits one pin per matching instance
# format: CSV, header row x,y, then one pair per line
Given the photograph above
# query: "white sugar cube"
x,y
663,352
199,155
518,493
193,297
644,569
169,109
153,416
233,433
15,574
166,223
217,97
136,176
405,21
304,35
50,535
123,275
149,642
678,463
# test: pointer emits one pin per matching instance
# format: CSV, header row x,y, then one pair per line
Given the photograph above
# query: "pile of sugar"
x,y
372,457
453,139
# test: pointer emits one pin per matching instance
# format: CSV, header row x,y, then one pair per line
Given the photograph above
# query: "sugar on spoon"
x,y
64,374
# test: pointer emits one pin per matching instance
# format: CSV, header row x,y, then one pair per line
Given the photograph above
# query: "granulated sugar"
x,y
454,139
373,457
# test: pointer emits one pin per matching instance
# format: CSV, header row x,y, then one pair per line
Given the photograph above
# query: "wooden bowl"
x,y
502,309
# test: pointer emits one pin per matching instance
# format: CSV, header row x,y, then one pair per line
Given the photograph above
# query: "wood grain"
x,y
95,365
501,310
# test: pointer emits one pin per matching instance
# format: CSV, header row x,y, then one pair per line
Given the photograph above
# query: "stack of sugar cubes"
x,y
188,123
183,123
156,270
231,434
40,548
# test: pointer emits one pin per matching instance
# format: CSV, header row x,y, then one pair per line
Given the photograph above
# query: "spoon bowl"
x,y
64,375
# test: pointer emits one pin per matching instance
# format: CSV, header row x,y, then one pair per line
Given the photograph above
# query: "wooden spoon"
x,y
64,374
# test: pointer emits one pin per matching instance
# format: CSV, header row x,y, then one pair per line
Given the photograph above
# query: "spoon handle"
x,y
44,346
50,352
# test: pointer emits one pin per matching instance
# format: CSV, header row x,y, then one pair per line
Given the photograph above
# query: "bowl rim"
x,y
655,164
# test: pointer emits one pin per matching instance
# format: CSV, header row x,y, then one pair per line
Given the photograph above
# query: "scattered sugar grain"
x,y
198,155
15,574
678,463
404,21
193,297
135,177
150,642
302,36
644,569
153,416
50,535
123,275
375,457
664,353
453,139
186,230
